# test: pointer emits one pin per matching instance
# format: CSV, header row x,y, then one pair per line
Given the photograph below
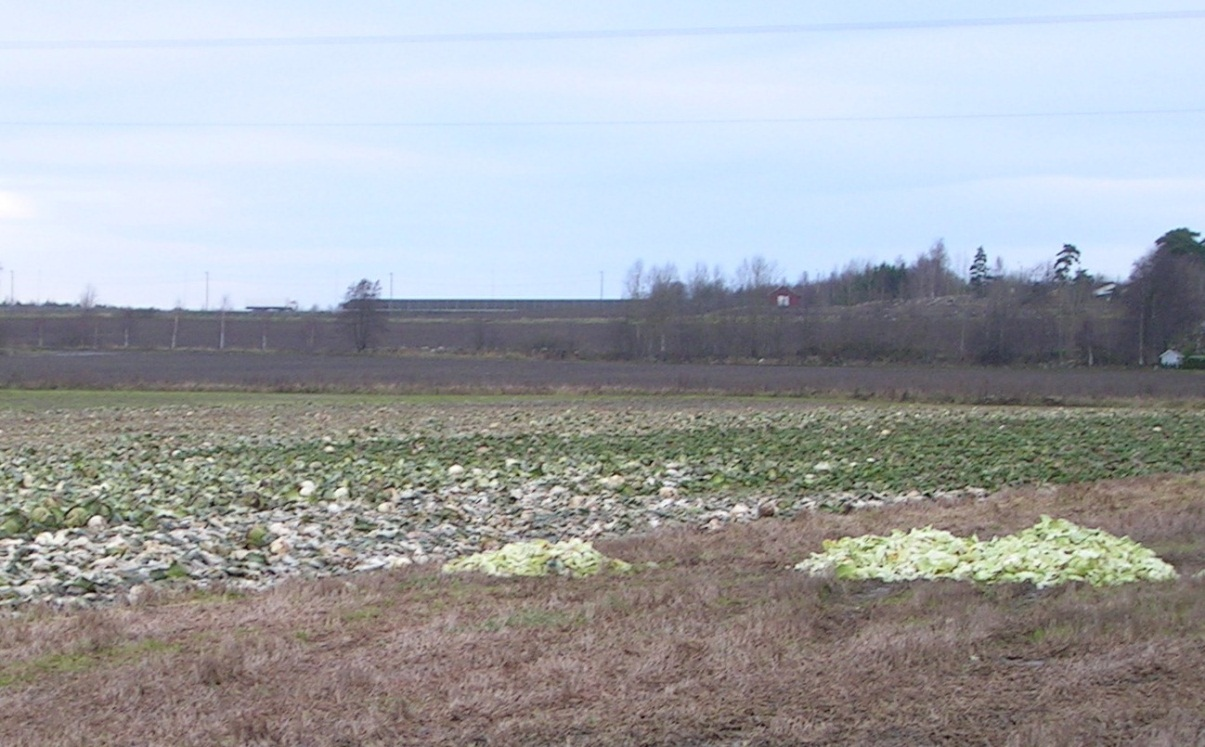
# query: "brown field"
x,y
294,372
722,644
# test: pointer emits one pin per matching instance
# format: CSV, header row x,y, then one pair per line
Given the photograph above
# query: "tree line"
x,y
924,311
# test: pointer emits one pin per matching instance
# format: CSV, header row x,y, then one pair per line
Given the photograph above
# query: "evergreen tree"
x,y
1067,258
979,274
1165,294
1180,242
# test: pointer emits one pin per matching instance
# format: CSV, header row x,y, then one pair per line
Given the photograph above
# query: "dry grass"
x,y
722,644
235,371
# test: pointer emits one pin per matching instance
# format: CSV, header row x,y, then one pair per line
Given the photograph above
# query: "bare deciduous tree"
x,y
87,299
931,276
363,313
633,283
757,273
706,288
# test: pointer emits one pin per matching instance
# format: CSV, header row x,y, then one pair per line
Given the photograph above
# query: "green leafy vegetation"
x,y
573,558
146,478
1053,551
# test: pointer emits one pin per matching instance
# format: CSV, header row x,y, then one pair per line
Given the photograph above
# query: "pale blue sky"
x,y
525,167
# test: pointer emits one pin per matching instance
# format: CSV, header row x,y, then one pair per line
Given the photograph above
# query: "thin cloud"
x,y
14,207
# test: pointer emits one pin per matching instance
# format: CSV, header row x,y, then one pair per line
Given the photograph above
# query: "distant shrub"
x,y
1193,361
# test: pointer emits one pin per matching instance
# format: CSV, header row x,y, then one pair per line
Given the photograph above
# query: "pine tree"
x,y
1067,258
979,275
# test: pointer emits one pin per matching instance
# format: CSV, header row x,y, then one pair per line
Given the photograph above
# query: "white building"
x,y
1171,358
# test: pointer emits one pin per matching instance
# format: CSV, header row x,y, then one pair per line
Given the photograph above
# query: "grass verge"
x,y
721,644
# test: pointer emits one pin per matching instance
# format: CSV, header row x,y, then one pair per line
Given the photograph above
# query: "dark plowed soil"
x,y
299,372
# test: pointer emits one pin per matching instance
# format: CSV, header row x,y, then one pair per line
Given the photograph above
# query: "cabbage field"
x,y
244,568
95,501
686,455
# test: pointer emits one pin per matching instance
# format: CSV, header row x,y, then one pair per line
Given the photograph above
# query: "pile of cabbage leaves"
x,y
1052,552
574,558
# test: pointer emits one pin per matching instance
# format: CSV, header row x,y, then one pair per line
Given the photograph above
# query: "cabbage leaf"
x,y
573,557
1053,551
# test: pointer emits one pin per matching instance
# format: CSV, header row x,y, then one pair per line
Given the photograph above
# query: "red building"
x,y
785,298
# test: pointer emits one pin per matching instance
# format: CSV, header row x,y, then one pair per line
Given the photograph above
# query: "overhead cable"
x,y
596,35
567,123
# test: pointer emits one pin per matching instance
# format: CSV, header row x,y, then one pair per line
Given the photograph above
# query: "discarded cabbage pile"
x,y
574,558
1053,551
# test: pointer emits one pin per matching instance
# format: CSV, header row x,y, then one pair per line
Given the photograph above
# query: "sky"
x,y
262,152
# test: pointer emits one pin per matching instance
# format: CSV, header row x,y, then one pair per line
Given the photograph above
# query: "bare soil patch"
x,y
721,644
293,372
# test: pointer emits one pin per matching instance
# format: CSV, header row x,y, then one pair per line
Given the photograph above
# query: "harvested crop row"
x,y
249,495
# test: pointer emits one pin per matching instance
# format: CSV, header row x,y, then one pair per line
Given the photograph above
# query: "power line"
x,y
568,123
598,35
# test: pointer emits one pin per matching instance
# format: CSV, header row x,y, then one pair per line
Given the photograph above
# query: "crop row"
x,y
142,478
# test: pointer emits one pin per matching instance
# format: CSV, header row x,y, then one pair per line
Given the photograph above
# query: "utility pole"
x,y
206,290
600,285
391,285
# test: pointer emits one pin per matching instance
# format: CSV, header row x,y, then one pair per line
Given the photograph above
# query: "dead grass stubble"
x,y
722,644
